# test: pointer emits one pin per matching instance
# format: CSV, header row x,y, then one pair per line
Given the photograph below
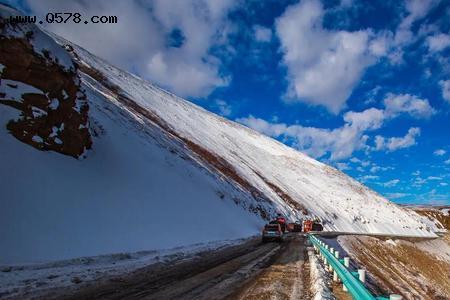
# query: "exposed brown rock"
x,y
63,127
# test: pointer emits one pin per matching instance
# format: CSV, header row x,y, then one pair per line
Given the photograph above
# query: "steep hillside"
x,y
161,171
413,268
294,183
439,215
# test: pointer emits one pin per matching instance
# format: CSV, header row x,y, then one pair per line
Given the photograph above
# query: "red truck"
x,y
280,220
309,225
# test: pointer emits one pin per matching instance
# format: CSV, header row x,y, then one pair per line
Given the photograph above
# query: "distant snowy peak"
x,y
39,79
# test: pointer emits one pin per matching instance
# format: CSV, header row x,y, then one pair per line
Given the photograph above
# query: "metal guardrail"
x,y
350,279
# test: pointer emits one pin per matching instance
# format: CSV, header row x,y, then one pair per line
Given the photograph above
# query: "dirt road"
x,y
283,279
248,271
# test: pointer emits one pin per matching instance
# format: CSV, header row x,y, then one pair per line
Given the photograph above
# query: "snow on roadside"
x,y
18,279
319,279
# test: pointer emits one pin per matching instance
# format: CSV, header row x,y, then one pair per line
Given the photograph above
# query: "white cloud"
x,y
416,10
418,181
368,177
341,142
406,103
439,152
395,143
438,42
396,195
262,34
447,162
434,178
391,183
165,41
323,65
445,85
343,166
224,108
376,169
363,163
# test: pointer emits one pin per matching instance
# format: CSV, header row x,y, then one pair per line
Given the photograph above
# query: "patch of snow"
x,y
37,112
319,279
14,90
21,278
54,104
37,139
2,67
391,242
58,141
54,131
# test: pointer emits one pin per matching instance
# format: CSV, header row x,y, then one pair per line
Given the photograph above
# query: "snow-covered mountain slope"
x,y
161,172
294,183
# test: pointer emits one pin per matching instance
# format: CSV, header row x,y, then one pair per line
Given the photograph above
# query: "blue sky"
x,y
361,85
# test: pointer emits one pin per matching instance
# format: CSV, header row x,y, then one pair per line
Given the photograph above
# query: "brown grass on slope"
x,y
416,270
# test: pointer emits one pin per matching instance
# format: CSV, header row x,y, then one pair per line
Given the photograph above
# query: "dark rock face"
x,y
55,116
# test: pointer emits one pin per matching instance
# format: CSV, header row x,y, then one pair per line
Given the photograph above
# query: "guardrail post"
x,y
344,288
336,254
362,275
347,262
395,297
335,276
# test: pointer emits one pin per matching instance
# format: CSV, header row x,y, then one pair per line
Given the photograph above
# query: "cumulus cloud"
x,y
445,85
223,107
406,103
341,142
415,10
396,195
165,41
323,65
375,168
439,152
343,166
391,183
262,34
395,143
438,42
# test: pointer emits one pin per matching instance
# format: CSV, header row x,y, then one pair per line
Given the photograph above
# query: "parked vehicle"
x,y
282,221
272,232
294,227
297,227
290,227
310,225
316,226
307,225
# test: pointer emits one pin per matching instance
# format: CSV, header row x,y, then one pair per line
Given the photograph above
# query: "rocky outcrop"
x,y
34,80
